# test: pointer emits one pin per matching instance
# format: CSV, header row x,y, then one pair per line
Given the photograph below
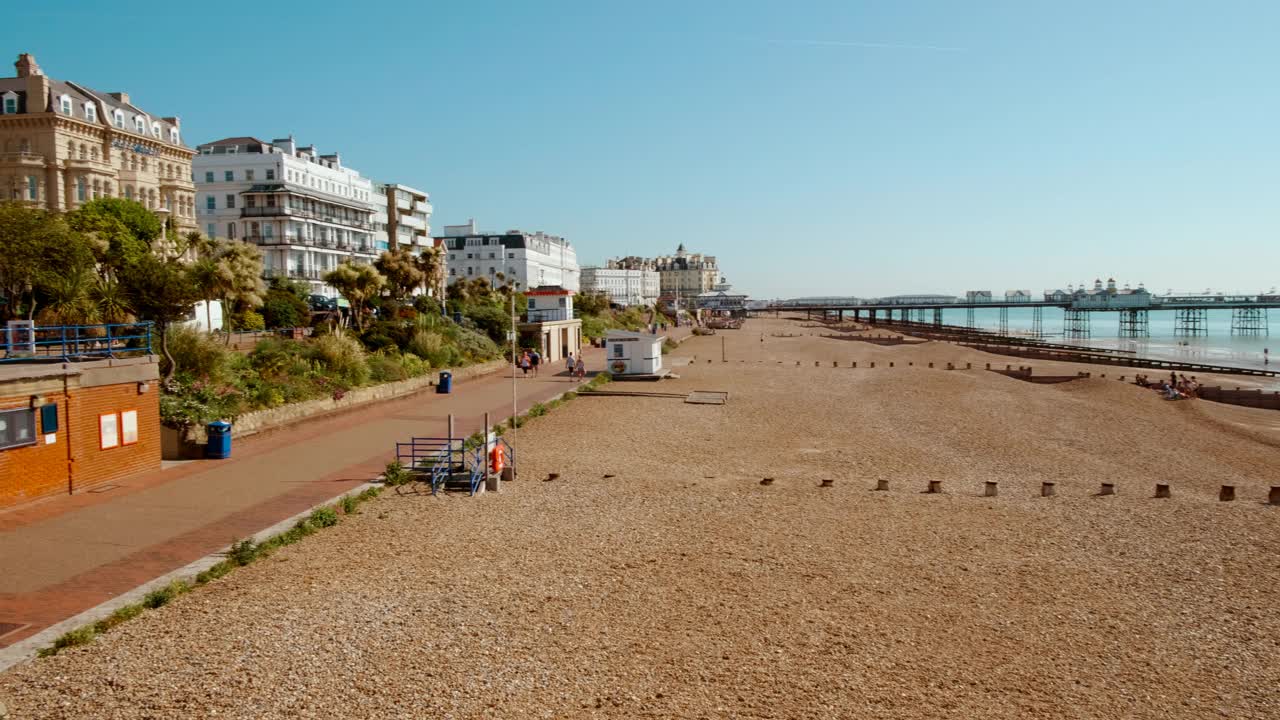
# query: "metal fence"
x,y
25,342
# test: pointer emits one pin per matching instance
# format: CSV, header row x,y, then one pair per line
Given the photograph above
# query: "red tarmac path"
x,y
62,556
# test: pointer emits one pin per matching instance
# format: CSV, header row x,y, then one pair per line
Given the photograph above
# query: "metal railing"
x,y
73,343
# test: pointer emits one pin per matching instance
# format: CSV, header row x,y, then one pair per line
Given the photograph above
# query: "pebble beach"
x,y
657,577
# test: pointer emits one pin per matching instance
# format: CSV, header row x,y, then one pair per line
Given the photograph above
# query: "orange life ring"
x,y
497,460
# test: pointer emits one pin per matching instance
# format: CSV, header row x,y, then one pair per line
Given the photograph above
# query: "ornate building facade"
x,y
63,144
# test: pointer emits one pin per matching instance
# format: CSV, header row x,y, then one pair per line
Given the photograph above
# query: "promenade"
x,y
65,555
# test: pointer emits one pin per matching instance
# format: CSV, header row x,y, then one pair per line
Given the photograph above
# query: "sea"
x,y
1218,347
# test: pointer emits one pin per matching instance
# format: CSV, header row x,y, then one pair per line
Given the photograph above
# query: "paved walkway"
x,y
63,556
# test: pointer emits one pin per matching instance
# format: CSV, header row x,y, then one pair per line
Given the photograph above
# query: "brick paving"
x,y
62,556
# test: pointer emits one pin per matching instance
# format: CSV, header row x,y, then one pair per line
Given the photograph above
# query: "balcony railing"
x,y
265,211
22,158
72,343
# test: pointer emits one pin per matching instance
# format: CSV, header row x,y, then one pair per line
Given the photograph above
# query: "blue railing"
x,y
72,343
435,459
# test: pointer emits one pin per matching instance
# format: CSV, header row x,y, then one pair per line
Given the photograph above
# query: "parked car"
x,y
320,303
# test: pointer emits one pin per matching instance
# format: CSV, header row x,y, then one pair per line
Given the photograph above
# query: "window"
x,y
266,230
10,105
453,272
155,130
139,125
210,230
173,135
80,189
248,174
231,201
229,175
49,418
118,118
208,176
128,192
511,256
17,428
65,103
33,187
271,174
108,431
91,112
471,271
492,256
129,427
617,350
231,231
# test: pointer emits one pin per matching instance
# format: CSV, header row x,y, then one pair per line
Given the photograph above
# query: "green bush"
x,y
283,307
247,321
323,517
343,358
349,504
426,343
79,636
243,552
214,572
120,616
395,474
386,368
538,410
198,354
476,347
165,595
414,365
668,346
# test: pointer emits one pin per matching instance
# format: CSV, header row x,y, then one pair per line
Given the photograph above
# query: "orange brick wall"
x,y
91,464
34,471
75,460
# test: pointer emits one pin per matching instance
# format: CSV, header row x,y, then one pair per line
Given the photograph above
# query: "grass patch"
x,y
323,517
538,410
349,504
165,595
395,474
120,616
79,636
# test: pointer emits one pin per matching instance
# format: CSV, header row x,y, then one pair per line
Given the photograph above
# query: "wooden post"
x,y
1162,490
450,446
992,489
873,364
1273,497
890,363
935,486
722,355
882,485
827,483
855,364
1107,489
1227,493
1048,489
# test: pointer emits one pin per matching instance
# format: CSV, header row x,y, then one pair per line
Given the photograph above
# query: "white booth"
x,y
633,353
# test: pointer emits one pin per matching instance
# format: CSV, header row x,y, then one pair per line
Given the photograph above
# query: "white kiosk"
x,y
633,353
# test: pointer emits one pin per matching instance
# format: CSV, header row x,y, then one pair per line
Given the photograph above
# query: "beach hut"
x,y
633,353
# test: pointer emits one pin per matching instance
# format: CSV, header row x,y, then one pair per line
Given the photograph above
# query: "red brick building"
x,y
68,426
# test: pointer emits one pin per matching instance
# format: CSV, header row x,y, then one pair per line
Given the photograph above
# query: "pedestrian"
x,y
1266,356
568,365
535,360
524,364
581,368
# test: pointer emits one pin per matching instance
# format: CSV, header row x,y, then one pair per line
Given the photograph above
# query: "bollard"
x,y
988,366
882,485
891,364
910,364
1047,489
930,365
835,363
1104,376
873,364
951,366
935,486
827,483
815,363
968,366
766,481
992,490
855,364
797,363
1273,497
1162,490
1107,489
1227,493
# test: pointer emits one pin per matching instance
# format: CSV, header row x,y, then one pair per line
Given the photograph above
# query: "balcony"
x,y
22,159
177,183
295,273
275,211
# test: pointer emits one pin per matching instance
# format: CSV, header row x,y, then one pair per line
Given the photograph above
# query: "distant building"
x,y
722,300
64,144
624,287
529,258
408,216
307,212
1017,296
1110,296
978,296
684,276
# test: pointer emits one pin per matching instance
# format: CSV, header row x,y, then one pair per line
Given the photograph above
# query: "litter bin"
x,y
218,446
445,386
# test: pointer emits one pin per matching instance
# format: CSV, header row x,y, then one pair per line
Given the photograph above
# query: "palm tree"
x,y
111,301
68,300
402,271
356,283
431,262
240,282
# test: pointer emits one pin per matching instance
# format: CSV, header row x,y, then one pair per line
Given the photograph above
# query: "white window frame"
x,y
91,112
155,130
139,124
118,117
5,100
65,105
173,135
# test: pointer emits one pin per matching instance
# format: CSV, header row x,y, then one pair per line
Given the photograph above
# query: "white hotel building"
x,y
531,259
306,211
624,286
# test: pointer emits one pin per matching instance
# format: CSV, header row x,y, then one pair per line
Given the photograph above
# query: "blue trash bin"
x,y
218,447
445,386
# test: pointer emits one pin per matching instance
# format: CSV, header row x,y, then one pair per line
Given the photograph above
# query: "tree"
x,y
285,304
239,273
431,262
111,301
161,290
36,249
401,270
592,303
356,283
67,300
121,231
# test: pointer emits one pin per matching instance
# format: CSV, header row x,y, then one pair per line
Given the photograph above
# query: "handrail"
x,y
72,343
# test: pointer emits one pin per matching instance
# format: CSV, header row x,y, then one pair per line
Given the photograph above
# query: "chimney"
x,y
37,83
122,97
174,121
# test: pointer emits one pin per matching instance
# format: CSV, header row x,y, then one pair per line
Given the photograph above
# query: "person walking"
x,y
524,364
581,367
535,360
569,366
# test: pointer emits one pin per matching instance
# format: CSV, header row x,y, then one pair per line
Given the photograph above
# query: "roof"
x,y
633,335
548,290
243,140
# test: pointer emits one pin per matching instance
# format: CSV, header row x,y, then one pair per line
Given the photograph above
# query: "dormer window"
x,y
10,106
139,125
173,135
64,103
118,118
91,112
155,130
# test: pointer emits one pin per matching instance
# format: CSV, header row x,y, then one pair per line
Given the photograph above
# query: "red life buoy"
x,y
497,460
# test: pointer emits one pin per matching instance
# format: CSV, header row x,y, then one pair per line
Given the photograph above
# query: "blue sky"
x,y
824,147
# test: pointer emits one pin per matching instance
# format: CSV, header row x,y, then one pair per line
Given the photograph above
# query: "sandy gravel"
x,y
681,587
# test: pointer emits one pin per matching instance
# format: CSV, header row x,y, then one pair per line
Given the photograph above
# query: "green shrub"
x,y
198,354
121,615
426,343
342,358
285,306
214,572
476,347
395,474
165,595
247,321
668,346
414,365
79,636
538,410
243,552
323,517
384,368
349,504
